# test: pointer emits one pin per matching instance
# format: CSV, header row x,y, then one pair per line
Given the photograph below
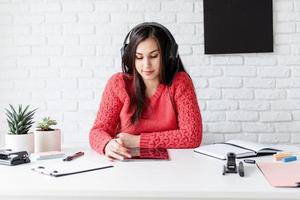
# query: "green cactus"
x,y
45,124
20,121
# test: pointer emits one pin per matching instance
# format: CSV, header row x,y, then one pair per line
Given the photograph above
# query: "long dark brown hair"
x,y
170,66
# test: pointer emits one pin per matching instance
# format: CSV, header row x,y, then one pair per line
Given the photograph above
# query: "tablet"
x,y
148,154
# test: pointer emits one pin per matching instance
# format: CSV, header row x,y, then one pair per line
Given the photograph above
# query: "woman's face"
x,y
148,60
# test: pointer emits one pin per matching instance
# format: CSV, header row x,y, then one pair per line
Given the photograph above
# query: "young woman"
x,y
152,103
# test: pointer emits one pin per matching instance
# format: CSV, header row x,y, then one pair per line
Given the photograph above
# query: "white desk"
x,y
187,176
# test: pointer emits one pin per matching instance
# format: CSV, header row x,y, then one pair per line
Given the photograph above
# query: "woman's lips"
x,y
148,72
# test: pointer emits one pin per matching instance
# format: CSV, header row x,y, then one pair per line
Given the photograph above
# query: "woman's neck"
x,y
151,87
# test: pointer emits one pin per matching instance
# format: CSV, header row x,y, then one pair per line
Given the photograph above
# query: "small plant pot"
x,y
24,142
47,141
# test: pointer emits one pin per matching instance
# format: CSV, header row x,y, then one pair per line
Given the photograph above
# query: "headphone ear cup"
x,y
174,63
123,49
174,51
124,57
174,58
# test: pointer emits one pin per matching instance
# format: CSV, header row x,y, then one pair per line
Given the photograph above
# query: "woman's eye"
x,y
154,56
139,58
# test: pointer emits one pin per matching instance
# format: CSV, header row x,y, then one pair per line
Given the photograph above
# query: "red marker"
x,y
76,155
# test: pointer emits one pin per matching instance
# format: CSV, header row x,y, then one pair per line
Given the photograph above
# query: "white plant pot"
x,y
24,142
47,141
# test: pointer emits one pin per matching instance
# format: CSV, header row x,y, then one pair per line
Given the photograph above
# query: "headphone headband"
x,y
174,46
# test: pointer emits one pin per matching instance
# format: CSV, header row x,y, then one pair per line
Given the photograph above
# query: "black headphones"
x,y
173,56
174,46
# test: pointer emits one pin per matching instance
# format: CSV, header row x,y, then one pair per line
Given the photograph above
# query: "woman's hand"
x,y
129,140
115,150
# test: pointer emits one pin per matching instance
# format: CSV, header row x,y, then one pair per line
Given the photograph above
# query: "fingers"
x,y
119,141
119,148
114,155
115,150
128,140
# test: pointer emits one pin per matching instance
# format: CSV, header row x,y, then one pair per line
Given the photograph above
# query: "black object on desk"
x,y
72,157
13,158
249,161
231,166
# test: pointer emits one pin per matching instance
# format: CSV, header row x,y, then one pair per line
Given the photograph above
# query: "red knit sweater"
x,y
171,118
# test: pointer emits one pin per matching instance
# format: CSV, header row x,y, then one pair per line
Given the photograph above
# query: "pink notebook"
x,y
281,174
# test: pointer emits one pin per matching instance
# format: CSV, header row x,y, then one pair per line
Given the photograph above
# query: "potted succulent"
x,y
19,123
47,138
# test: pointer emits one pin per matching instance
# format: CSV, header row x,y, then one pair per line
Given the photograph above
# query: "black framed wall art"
x,y
238,26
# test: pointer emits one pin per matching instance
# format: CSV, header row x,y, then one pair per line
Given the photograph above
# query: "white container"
x,y
24,142
47,141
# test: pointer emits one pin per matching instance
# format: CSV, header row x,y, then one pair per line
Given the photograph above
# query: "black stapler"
x,y
8,157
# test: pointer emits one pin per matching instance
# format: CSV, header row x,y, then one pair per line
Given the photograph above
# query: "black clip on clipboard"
x,y
13,158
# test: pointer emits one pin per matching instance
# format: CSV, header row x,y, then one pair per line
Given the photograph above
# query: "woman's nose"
x,y
146,63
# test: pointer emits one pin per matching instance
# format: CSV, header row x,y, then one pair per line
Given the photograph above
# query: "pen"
x,y
76,155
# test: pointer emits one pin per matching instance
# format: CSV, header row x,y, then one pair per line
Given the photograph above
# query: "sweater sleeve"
x,y
107,118
189,132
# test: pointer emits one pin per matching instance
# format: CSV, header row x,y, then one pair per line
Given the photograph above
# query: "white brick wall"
x,y
58,54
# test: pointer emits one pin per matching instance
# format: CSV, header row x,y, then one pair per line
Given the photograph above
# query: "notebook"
x,y
281,174
241,148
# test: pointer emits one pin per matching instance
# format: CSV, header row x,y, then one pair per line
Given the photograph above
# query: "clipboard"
x,y
61,168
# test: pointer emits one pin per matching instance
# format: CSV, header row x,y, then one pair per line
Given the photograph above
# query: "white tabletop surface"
x,y
188,175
